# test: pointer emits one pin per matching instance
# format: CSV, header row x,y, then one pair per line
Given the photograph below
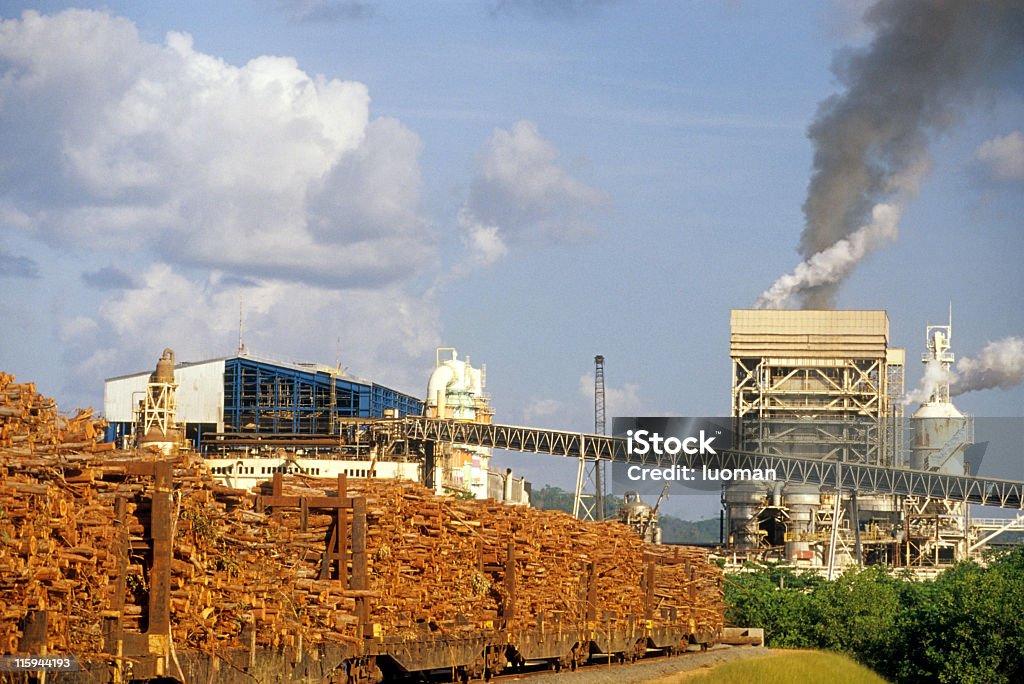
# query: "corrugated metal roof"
x,y
808,334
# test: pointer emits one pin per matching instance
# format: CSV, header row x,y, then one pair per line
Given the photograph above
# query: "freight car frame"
x,y
472,652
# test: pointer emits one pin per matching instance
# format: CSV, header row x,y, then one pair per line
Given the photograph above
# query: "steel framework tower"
x,y
590,486
821,385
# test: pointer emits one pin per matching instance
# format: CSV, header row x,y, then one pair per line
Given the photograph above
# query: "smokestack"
x,y
928,61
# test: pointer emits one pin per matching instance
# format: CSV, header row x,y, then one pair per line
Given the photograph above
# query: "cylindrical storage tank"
x,y
802,502
935,426
743,500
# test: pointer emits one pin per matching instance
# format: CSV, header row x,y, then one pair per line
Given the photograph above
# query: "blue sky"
x,y
531,182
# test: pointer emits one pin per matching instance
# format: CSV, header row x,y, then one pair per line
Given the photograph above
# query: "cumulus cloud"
x,y
198,318
258,183
483,243
521,195
262,169
577,413
542,412
521,188
1004,156
623,400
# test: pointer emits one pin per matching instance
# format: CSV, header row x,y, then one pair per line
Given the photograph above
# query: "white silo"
x,y
937,529
455,391
941,431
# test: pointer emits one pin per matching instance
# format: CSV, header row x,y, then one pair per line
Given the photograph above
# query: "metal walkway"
x,y
850,476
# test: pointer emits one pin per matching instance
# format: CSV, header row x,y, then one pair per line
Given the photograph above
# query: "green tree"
x,y
857,614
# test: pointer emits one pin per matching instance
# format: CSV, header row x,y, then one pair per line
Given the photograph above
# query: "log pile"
x,y
29,422
242,577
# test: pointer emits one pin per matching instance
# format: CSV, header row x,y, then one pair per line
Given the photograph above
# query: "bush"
x,y
967,625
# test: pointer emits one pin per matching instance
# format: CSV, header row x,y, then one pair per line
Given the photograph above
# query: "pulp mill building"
x,y
246,394
251,417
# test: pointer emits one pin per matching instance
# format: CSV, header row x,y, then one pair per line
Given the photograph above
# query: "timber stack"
x,y
29,423
77,541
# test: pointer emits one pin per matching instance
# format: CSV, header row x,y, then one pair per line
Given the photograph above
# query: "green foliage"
x,y
967,625
550,498
776,599
677,531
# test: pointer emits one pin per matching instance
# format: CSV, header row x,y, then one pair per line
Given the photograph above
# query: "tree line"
x,y
966,625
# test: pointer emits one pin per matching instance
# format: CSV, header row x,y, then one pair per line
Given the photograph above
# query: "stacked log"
x,y
29,422
243,577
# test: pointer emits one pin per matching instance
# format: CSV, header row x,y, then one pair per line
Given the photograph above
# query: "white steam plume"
x,y
999,365
833,264
934,375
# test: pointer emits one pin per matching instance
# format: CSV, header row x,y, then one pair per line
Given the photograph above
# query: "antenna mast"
x,y
241,345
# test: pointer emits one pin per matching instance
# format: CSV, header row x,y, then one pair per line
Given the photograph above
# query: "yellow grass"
x,y
783,667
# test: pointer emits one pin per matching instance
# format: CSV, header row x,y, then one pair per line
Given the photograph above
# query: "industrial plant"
x,y
808,386
257,518
827,385
251,417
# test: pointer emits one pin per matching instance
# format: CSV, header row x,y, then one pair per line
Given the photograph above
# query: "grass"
x,y
805,667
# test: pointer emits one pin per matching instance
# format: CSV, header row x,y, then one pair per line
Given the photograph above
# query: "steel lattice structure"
x,y
864,478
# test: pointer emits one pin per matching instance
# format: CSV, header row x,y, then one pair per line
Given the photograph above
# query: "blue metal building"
x,y
246,394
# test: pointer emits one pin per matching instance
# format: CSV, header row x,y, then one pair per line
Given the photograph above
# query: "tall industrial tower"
x,y
590,480
823,385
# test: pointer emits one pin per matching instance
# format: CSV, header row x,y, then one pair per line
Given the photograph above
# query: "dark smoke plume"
x,y
928,61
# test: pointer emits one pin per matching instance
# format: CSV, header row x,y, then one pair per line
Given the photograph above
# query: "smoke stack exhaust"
x,y
929,60
999,365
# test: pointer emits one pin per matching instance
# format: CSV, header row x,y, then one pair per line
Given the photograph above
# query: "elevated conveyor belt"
x,y
850,476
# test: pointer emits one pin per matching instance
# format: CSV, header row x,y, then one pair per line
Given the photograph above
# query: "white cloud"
x,y
520,195
77,328
316,11
483,243
258,183
198,318
577,412
521,189
262,169
618,401
1004,156
542,412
